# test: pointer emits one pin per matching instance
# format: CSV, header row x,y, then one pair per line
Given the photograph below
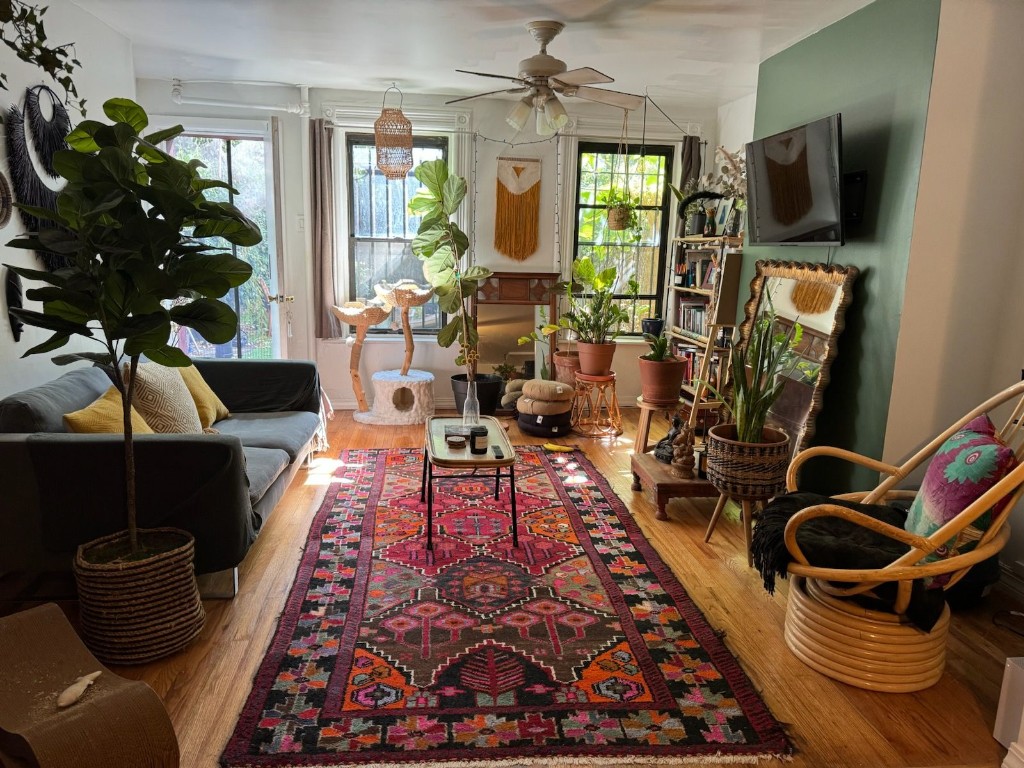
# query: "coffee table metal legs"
x,y
512,492
427,494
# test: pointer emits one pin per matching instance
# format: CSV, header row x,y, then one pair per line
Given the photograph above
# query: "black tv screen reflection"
x,y
794,186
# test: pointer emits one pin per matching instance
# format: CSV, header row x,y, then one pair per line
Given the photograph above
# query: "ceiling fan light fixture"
x,y
520,113
544,126
392,135
555,113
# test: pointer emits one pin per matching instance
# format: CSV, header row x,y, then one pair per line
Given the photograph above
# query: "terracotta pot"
x,y
566,365
137,611
660,380
747,471
596,359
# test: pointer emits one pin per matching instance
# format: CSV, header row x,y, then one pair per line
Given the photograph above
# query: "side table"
x,y
595,407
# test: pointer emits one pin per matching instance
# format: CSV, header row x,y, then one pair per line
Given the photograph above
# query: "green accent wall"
x,y
874,67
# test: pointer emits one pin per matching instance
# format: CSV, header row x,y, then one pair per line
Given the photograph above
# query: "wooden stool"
x,y
117,723
647,411
748,506
595,408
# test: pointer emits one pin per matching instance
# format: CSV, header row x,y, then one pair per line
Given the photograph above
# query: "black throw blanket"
x,y
835,543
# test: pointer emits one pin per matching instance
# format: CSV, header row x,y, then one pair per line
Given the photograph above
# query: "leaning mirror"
x,y
816,297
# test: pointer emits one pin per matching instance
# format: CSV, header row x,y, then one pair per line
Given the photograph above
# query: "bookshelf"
x,y
703,280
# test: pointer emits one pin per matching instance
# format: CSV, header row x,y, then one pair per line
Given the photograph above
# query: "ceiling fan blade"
x,y
605,96
486,74
488,93
582,76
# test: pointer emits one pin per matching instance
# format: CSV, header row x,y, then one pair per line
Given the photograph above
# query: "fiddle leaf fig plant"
x,y
135,225
442,246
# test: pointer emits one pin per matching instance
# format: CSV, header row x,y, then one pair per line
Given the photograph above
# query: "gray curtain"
x,y
691,160
321,159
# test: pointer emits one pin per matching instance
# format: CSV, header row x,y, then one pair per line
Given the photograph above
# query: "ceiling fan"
x,y
543,78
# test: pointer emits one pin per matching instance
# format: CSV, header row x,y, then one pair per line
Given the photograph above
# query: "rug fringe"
x,y
566,762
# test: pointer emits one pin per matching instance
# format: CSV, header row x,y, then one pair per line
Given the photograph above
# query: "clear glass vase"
x,y
471,408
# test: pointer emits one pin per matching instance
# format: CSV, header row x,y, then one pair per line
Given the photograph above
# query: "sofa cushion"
x,y
965,466
164,401
262,466
105,414
42,408
287,430
208,405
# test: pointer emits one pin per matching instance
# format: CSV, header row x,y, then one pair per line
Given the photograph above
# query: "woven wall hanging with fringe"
x,y
517,207
392,133
46,136
790,183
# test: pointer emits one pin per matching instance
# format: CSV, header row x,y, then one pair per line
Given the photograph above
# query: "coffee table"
x,y
437,453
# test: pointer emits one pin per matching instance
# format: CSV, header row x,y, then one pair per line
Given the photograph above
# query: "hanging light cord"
x,y
393,87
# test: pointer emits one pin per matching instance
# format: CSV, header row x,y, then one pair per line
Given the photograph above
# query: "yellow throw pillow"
x,y
105,414
209,406
164,401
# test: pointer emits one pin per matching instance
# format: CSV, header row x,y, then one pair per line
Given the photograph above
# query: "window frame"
x,y
356,138
666,150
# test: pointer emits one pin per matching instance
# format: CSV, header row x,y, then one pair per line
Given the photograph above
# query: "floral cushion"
x,y
968,464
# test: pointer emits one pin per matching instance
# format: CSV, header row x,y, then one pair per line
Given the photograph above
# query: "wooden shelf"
x,y
692,392
696,338
699,291
664,484
718,240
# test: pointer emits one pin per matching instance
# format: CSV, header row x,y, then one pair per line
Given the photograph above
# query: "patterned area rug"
x,y
579,647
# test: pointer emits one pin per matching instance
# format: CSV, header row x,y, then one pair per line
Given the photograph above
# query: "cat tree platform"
x,y
400,398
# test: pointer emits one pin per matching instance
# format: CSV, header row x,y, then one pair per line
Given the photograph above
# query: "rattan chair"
x,y
882,650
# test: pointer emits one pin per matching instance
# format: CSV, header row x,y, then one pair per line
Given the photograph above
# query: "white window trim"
x,y
452,124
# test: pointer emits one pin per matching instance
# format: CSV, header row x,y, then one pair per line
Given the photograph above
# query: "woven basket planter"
x,y
618,218
747,471
139,611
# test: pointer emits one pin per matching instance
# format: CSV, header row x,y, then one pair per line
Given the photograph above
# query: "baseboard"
x,y
1011,581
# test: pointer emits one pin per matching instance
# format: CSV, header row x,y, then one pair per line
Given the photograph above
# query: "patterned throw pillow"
x,y
968,464
164,401
105,414
209,406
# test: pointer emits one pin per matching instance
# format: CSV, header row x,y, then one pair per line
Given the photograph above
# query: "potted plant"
x,y
661,372
622,213
747,460
134,221
594,316
441,245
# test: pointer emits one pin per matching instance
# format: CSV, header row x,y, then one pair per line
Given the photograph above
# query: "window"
x,y
243,162
381,229
602,168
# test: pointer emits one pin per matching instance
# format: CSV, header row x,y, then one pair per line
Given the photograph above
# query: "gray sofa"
x,y
59,489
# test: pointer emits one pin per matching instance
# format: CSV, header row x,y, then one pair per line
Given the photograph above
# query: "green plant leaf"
x,y
56,341
213,320
427,241
100,358
71,165
236,229
158,137
54,278
476,272
423,202
450,301
447,335
433,174
126,111
170,356
145,332
453,192
82,138
49,322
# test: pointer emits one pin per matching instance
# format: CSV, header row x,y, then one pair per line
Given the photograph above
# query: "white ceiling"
x,y
697,53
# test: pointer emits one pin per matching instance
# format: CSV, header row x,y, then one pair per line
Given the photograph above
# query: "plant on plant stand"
x,y
746,459
442,246
594,316
661,372
135,223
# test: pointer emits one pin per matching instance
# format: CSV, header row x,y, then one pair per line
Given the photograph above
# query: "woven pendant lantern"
x,y
392,133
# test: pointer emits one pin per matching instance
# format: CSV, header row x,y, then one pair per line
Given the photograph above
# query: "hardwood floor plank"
x,y
832,725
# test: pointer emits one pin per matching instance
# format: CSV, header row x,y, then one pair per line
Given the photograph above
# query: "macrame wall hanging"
x,y
812,298
517,209
48,137
790,183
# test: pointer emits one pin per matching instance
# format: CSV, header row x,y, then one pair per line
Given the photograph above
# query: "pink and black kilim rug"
x,y
578,647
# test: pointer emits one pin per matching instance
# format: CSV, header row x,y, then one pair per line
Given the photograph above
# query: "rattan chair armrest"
x,y
857,518
837,453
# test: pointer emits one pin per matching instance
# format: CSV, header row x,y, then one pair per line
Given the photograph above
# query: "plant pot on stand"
x,y
567,363
661,380
745,472
596,359
138,609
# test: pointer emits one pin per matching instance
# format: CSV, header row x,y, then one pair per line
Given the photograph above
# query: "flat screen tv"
x,y
795,186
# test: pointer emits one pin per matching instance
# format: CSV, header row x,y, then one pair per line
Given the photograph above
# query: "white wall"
x,y
106,72
960,337
736,123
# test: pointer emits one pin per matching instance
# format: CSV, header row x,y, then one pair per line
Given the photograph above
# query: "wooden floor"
x,y
831,724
